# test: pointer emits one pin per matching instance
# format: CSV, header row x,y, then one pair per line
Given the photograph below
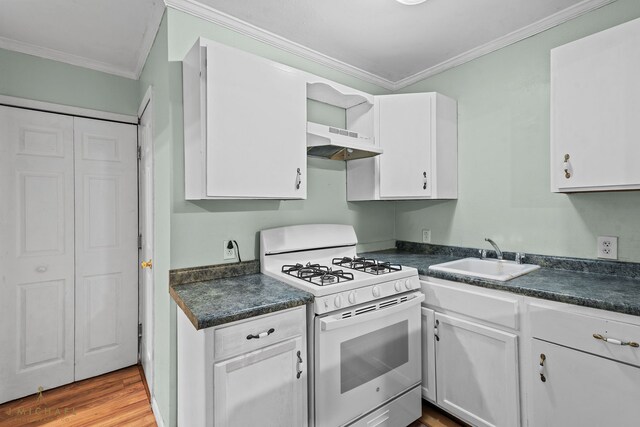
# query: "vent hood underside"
x,y
338,144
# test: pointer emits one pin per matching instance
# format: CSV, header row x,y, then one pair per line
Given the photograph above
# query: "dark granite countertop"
x,y
580,282
223,300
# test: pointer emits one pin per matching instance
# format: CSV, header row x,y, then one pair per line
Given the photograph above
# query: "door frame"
x,y
146,107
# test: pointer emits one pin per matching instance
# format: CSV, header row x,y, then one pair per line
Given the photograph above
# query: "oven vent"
x,y
346,315
404,299
365,309
388,303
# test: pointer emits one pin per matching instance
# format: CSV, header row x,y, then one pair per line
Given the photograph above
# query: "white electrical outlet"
x,y
426,236
608,247
229,253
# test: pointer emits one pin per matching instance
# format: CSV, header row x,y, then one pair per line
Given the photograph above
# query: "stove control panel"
x,y
365,294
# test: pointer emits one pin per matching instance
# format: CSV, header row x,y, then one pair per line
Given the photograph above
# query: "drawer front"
x,y
500,310
232,340
557,325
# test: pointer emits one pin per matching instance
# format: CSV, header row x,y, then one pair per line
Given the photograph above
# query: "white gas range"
x,y
364,328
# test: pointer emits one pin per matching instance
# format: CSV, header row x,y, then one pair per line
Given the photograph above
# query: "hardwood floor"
x,y
115,399
121,398
435,417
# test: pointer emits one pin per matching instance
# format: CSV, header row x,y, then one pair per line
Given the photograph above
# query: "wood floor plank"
x,y
115,399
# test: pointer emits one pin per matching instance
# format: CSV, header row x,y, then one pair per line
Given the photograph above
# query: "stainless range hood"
x,y
338,144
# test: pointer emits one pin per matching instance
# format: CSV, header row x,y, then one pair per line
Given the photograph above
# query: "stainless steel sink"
x,y
492,269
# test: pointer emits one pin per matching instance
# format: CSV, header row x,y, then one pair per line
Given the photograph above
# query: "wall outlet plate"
x,y
229,253
426,236
608,247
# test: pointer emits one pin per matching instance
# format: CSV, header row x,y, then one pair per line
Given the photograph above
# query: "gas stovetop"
x,y
367,265
317,274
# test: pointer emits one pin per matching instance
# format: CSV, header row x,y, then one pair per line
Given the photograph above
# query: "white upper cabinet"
x,y
244,126
419,138
595,106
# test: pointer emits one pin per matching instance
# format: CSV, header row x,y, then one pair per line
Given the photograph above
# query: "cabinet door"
x,y
36,251
404,133
428,355
262,387
595,105
256,127
477,372
581,389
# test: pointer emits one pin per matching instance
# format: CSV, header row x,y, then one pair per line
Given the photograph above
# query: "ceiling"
x,y
379,41
113,36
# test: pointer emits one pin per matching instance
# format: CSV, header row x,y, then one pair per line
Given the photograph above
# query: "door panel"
x,y
405,136
36,251
581,389
477,372
106,247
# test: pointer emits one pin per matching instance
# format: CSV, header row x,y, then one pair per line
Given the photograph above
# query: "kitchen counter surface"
x,y
223,300
591,288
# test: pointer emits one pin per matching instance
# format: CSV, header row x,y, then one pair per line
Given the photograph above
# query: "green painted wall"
x,y
503,125
156,74
30,77
199,228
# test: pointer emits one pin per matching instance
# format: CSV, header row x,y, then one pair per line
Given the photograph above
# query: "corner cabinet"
x,y
595,105
244,126
418,135
244,373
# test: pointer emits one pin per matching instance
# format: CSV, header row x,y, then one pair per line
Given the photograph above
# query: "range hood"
x,y
338,144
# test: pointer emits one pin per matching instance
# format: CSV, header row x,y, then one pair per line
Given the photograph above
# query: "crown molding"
x,y
195,8
68,58
506,40
210,14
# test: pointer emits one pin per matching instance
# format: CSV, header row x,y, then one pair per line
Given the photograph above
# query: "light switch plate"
x,y
426,236
608,247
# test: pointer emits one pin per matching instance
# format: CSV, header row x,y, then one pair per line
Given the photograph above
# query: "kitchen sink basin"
x,y
492,269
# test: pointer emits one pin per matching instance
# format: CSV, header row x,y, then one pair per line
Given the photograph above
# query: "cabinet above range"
x,y
247,135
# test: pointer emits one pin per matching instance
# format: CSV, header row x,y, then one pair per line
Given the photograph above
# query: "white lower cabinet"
x,y
476,372
252,372
581,389
261,388
470,369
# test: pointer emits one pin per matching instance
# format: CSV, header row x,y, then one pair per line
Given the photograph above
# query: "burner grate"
x,y
367,265
317,274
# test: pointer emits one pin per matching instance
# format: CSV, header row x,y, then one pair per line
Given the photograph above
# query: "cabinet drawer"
x,y
231,340
577,331
500,310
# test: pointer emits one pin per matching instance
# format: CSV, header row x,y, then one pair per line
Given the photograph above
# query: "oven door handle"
x,y
331,323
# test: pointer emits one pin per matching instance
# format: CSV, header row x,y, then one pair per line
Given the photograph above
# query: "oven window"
x,y
369,356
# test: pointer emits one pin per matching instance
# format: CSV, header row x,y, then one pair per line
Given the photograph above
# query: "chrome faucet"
x,y
498,251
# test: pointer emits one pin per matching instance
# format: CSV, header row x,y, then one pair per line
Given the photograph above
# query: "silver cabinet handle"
x,y
615,341
424,183
41,268
566,166
298,363
543,358
298,179
435,330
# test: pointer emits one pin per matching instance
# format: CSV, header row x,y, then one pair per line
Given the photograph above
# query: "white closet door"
x,y
36,251
106,193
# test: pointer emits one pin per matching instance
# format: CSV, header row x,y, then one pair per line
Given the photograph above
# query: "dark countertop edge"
x,y
534,293
240,315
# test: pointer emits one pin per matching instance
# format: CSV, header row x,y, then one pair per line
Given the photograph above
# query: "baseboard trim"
x,y
156,412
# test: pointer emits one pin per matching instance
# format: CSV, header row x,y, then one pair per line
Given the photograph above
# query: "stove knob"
x,y
407,283
398,286
352,297
376,291
338,301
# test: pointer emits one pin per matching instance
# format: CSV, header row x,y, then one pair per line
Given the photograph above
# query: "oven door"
x,y
364,356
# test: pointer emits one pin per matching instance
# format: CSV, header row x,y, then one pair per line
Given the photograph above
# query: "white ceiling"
x,y
380,41
113,36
